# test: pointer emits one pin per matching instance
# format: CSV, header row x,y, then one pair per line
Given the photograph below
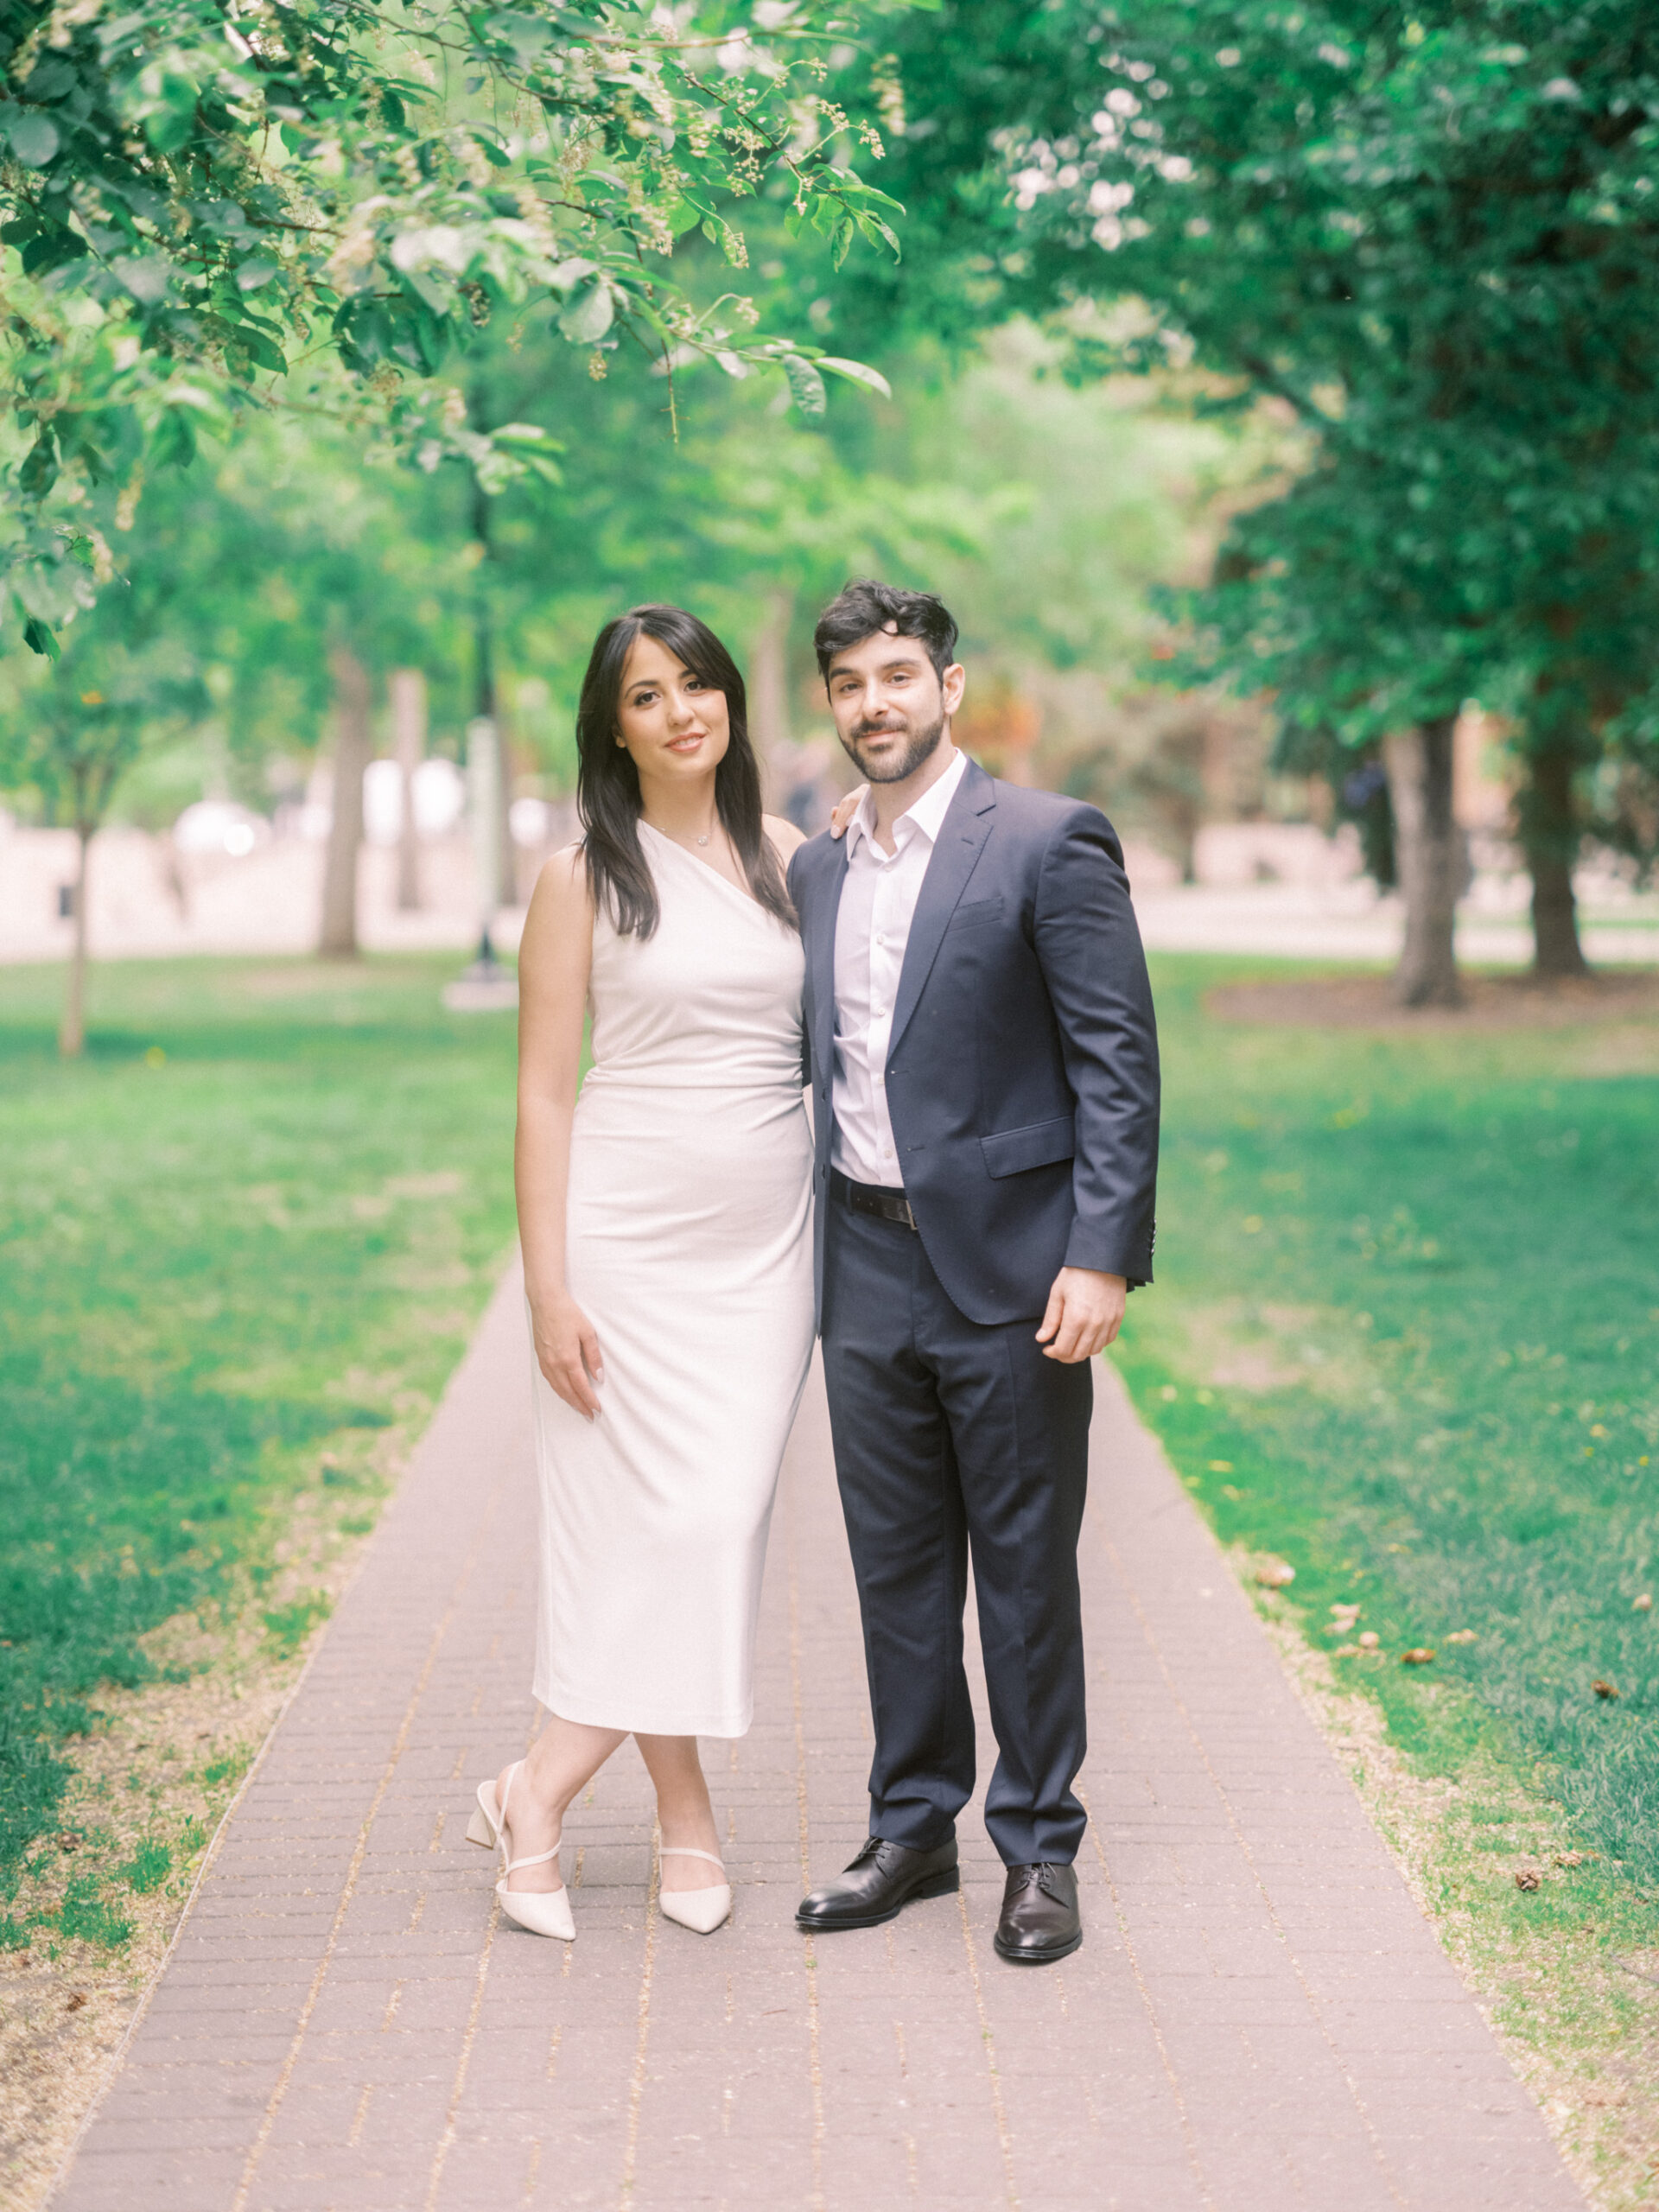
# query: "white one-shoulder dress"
x,y
689,1249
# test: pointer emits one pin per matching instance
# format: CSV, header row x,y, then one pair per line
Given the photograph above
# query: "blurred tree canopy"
x,y
1431,233
197,199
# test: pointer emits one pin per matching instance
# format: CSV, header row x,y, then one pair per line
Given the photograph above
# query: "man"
x,y
985,1090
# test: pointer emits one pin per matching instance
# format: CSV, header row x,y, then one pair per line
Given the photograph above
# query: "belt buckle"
x,y
907,1216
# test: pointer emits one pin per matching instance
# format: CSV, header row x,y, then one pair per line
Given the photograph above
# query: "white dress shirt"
x,y
878,900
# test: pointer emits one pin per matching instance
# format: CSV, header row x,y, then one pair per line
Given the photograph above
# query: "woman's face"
x,y
674,725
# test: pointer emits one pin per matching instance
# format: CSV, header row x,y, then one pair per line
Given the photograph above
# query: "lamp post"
x,y
484,798
485,987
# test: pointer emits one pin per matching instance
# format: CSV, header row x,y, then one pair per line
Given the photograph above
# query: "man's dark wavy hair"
x,y
860,609
607,783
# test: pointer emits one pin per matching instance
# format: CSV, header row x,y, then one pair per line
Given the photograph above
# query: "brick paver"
x,y
1259,2017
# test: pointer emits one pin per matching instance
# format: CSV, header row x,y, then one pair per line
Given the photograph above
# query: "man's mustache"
x,y
878,729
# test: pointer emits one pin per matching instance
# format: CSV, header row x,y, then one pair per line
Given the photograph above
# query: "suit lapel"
x,y
962,836
823,965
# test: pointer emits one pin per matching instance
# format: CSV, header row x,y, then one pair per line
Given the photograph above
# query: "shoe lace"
x,y
1033,1878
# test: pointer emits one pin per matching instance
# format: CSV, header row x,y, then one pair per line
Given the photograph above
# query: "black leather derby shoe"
x,y
879,1883
1040,1921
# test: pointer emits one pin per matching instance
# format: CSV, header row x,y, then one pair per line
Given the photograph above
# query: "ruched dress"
x,y
689,1249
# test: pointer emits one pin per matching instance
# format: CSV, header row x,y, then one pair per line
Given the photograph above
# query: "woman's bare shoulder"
x,y
562,899
564,873
786,837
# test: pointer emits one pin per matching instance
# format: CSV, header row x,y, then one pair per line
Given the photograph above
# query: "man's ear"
x,y
951,685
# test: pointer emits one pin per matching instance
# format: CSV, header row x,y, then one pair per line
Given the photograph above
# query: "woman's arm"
x,y
554,961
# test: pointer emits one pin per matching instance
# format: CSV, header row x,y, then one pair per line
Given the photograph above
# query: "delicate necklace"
x,y
673,840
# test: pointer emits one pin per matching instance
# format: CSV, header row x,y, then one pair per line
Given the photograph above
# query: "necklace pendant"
x,y
703,841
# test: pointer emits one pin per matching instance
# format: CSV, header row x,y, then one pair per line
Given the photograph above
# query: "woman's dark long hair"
x,y
607,783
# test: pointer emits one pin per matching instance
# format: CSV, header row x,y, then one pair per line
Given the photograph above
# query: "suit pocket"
x,y
1011,1152
975,911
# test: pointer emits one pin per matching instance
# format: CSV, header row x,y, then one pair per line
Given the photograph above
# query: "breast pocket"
x,y
973,912
1039,1144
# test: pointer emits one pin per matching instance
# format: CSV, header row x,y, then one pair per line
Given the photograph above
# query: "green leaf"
x,y
255,343
805,387
144,275
33,137
568,274
877,232
41,638
527,434
841,240
855,373
252,274
40,470
169,128
588,315
525,34
175,441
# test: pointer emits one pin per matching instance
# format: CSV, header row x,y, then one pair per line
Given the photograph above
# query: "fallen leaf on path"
x,y
1527,1877
1369,1640
1604,1689
1642,1604
1569,1859
1275,1574
1420,1655
1462,1636
1605,2093
77,1998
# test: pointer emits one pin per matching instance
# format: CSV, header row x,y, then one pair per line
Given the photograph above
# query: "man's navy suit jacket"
x,y
1022,1067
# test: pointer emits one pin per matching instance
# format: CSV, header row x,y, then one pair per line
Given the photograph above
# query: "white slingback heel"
x,y
701,1911
544,1912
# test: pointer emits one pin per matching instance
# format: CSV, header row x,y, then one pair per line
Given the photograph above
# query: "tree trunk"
x,y
72,1030
408,740
769,677
338,937
1549,836
1429,848
485,701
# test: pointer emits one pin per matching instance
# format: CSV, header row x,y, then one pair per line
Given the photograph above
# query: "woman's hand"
x,y
844,809
567,1352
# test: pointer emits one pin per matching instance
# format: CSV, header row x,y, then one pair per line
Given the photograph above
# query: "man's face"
x,y
891,708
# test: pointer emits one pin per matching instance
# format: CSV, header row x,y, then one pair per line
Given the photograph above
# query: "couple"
x,y
960,1221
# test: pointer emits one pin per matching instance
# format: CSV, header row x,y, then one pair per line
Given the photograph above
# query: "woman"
x,y
667,1244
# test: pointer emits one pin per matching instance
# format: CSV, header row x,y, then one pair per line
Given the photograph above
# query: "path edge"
x,y
507,1284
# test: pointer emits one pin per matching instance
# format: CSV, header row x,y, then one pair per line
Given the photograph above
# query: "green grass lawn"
x,y
1406,1337
253,1227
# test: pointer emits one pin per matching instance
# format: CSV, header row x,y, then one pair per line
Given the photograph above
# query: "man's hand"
x,y
1085,1311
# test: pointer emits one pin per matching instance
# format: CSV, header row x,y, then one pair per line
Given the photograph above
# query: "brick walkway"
x,y
1259,2016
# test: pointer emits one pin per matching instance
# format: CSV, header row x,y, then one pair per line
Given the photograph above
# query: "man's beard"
x,y
920,745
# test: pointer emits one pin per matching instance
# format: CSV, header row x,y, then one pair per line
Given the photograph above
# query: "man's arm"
x,y
1089,948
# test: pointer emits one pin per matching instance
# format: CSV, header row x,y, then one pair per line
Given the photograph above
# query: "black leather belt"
x,y
877,1199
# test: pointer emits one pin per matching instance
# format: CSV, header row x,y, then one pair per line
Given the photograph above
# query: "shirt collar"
x,y
926,816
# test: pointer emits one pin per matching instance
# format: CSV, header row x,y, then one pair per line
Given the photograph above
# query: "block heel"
x,y
941,1885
